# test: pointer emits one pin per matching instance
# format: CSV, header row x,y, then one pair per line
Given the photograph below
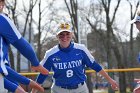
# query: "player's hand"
x,y
40,69
36,86
114,84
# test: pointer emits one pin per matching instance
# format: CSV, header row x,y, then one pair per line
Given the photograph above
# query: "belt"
x,y
73,87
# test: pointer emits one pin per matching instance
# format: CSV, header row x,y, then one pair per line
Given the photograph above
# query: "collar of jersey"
x,y
68,49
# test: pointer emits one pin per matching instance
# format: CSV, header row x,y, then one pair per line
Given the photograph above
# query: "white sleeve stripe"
x,y
77,46
2,63
13,26
49,53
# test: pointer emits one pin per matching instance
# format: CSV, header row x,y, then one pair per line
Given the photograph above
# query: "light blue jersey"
x,y
68,64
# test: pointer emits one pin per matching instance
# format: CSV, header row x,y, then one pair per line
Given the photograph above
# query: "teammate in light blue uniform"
x,y
68,61
10,35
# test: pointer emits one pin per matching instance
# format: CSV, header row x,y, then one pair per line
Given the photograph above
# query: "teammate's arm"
x,y
113,83
90,62
12,35
26,50
47,64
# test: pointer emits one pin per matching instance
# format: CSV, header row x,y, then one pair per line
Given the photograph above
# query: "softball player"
x,y
68,61
10,35
137,23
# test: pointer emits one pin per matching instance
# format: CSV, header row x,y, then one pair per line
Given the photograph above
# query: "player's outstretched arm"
x,y
113,83
41,69
26,50
9,31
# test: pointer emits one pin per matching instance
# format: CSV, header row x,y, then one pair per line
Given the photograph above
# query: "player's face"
x,y
64,39
2,3
138,25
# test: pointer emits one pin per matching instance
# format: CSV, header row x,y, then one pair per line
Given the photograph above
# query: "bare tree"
x,y
39,32
42,27
110,40
30,28
72,7
12,7
29,11
131,54
112,43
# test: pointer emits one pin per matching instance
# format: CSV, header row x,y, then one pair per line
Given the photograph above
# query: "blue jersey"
x,y
10,35
68,64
